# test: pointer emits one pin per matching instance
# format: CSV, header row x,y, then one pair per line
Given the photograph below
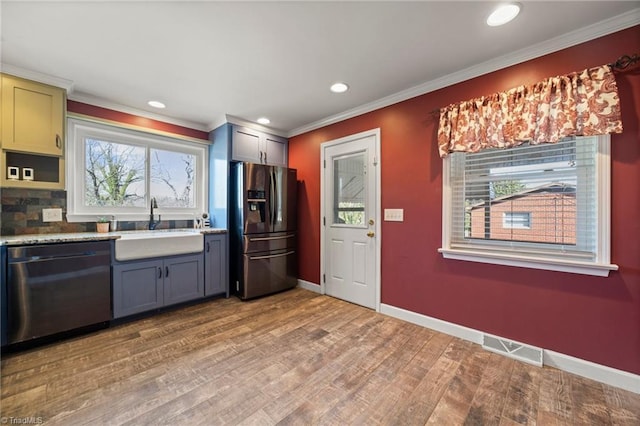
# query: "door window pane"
x,y
349,190
172,178
115,174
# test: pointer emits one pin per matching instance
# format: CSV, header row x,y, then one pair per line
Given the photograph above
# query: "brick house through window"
x,y
545,214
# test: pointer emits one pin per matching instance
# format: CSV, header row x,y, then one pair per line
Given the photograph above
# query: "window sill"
x,y
559,265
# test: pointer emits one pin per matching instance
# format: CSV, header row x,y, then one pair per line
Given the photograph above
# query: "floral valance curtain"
x,y
579,104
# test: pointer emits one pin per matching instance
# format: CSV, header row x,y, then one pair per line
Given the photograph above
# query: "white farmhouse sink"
x,y
146,244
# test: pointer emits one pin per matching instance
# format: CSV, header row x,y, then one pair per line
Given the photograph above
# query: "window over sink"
x,y
116,171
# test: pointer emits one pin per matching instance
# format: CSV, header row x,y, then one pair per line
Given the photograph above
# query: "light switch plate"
x,y
394,215
52,215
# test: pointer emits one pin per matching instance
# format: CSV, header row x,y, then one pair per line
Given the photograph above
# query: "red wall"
x,y
135,120
593,318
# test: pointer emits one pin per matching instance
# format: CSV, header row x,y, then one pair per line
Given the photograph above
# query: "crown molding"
x,y
255,126
218,121
51,80
602,28
95,101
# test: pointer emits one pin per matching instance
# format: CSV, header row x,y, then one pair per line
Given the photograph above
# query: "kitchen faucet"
x,y
152,222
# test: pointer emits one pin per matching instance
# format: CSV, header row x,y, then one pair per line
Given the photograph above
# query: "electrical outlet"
x,y
394,215
52,215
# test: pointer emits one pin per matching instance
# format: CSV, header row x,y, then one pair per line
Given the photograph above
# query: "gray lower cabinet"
x,y
137,287
141,286
215,265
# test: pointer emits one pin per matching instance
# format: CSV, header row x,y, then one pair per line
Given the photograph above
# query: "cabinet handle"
x,y
58,142
208,247
265,157
261,156
159,272
166,271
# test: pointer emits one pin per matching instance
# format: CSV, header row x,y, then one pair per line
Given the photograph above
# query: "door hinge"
x,y
325,163
324,220
324,278
375,161
238,286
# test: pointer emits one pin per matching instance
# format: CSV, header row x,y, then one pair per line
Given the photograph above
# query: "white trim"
x,y
603,206
557,264
445,327
556,261
308,285
608,26
590,370
145,130
77,127
255,126
43,78
99,102
73,95
378,208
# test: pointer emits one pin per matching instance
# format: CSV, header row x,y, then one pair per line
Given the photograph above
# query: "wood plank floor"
x,y
294,358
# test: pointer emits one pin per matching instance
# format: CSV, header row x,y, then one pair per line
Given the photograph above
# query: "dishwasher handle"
x,y
27,259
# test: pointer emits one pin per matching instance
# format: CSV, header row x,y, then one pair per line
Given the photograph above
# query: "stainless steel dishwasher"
x,y
57,287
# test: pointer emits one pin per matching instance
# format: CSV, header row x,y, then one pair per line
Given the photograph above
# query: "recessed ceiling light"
x,y
156,104
339,87
503,14
264,120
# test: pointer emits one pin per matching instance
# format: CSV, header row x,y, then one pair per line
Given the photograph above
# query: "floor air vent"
x,y
519,351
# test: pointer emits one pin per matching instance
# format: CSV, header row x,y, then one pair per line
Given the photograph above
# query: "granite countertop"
x,y
15,240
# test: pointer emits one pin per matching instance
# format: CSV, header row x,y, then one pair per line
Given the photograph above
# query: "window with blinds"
x,y
532,201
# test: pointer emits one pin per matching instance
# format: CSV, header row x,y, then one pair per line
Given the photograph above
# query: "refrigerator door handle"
x,y
273,199
282,237
271,256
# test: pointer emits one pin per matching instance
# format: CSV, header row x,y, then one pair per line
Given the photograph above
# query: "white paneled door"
x,y
350,223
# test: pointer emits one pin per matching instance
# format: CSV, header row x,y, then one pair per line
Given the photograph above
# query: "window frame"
x,y
78,129
600,266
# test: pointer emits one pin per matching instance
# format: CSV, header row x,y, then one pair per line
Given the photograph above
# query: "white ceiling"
x,y
207,60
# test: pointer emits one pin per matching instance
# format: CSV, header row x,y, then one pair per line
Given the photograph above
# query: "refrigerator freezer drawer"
x,y
255,243
268,272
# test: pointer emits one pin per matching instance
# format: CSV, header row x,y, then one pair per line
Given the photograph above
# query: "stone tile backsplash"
x,y
21,213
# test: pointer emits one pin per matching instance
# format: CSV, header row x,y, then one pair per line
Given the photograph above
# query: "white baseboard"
x,y
445,327
308,285
601,373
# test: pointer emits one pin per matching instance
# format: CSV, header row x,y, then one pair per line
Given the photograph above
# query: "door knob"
x,y
371,234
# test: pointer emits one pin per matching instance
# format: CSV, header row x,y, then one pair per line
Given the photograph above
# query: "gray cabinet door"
x,y
246,145
137,287
183,279
215,264
275,149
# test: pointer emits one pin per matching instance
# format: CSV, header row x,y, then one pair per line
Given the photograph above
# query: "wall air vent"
x,y
516,350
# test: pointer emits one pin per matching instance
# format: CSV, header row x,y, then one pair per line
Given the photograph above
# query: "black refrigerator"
x,y
263,223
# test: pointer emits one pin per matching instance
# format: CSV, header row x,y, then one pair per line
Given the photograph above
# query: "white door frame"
x,y
378,206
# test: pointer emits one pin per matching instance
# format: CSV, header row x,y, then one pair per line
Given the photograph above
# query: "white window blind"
x,y
532,201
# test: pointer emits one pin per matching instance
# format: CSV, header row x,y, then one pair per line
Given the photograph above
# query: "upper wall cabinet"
x,y
32,117
258,147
